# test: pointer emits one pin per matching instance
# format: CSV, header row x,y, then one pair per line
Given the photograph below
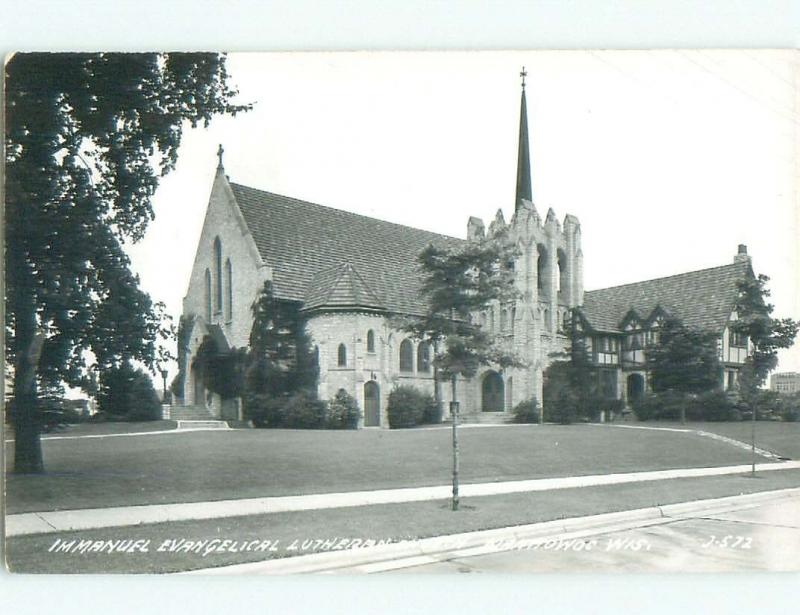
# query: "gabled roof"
x,y
700,299
300,240
340,287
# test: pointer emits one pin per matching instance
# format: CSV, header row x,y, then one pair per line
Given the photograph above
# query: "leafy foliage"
x,y
670,404
128,393
407,406
456,284
571,389
88,136
527,411
343,412
766,335
281,361
684,360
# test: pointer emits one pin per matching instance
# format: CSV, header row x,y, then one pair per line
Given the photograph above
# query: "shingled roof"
x,y
700,299
340,287
304,241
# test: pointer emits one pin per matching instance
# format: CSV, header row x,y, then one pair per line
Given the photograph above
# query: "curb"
x,y
429,550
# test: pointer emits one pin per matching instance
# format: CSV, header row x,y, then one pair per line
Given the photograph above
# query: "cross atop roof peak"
x,y
523,74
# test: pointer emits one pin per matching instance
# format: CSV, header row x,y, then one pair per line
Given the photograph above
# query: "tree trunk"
x,y
28,345
27,444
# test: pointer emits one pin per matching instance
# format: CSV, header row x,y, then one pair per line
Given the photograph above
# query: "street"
x,y
755,537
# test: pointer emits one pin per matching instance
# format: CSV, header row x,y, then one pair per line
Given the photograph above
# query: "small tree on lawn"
x,y
456,284
766,336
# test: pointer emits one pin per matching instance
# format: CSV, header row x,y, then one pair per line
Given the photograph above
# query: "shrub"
x,y
302,411
343,412
128,394
408,406
265,410
563,408
526,411
660,406
433,412
711,406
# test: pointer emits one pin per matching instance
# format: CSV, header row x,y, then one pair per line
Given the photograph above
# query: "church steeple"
x,y
524,155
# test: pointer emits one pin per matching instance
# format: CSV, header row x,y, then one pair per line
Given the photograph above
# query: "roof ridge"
x,y
344,211
668,277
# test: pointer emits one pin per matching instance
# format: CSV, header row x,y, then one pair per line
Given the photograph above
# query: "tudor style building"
x,y
351,280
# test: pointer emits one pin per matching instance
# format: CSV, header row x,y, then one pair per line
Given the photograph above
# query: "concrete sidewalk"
x,y
73,520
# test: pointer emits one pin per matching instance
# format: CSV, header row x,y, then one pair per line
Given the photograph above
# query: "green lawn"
x,y
776,436
227,464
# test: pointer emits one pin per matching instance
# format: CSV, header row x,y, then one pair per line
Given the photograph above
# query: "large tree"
x,y
765,335
280,361
88,137
683,360
457,284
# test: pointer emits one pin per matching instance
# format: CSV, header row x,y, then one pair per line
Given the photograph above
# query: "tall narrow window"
x,y
423,358
370,341
406,356
342,356
208,295
543,272
217,275
228,291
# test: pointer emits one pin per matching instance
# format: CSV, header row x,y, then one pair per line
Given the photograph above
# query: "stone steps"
x,y
484,418
190,413
210,424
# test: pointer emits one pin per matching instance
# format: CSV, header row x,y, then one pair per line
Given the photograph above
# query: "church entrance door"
x,y
372,404
635,388
492,392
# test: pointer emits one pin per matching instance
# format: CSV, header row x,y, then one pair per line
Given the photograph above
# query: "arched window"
x,y
406,356
423,358
370,341
228,291
542,270
503,320
563,274
513,318
566,322
342,356
217,275
546,320
208,295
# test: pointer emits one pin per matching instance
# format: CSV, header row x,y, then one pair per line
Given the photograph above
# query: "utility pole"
x,y
454,415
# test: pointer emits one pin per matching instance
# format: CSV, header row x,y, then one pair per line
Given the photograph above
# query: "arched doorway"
x,y
199,392
372,404
492,392
635,388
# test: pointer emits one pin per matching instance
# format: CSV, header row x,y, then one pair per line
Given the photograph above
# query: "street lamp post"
x,y
164,382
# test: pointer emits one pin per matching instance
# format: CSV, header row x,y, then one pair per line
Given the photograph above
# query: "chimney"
x,y
741,256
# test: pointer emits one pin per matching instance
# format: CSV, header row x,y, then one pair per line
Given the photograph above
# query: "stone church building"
x,y
351,279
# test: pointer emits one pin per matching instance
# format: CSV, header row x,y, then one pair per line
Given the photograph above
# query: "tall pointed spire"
x,y
524,155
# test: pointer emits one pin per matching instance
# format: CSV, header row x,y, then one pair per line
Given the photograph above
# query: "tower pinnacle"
x,y
523,155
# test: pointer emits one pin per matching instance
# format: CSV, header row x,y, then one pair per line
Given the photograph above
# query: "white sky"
x,y
668,158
